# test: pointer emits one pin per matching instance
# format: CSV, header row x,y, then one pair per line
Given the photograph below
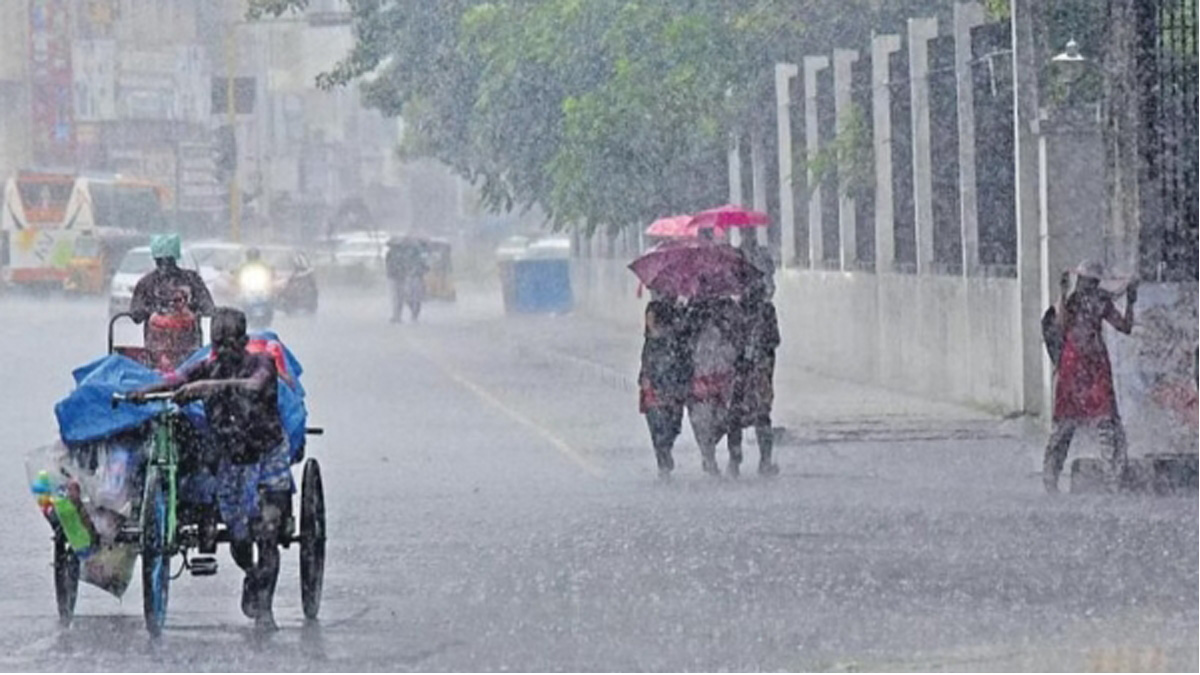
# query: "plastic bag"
x,y
115,480
110,567
55,460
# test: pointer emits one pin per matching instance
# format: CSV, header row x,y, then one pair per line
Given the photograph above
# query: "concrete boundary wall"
x,y
945,338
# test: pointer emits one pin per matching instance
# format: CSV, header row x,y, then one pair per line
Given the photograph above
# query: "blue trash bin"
x,y
542,286
535,277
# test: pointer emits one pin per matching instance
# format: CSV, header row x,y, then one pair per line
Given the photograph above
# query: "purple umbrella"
x,y
695,269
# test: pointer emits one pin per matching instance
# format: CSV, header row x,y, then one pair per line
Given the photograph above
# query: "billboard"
x,y
51,97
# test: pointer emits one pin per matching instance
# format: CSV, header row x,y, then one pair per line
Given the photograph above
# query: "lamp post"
x,y
1071,159
1070,65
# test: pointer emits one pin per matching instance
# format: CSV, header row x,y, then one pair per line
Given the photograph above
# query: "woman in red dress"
x,y
1083,382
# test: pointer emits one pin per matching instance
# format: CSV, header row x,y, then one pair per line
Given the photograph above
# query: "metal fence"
x,y
1167,96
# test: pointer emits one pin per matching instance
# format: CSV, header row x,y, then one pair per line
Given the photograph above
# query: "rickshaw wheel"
x,y
312,539
66,579
156,559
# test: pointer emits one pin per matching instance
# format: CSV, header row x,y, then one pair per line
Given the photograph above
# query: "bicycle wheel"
x,y
66,578
156,559
312,539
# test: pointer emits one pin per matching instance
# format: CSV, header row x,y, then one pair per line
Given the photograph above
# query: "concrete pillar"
x,y
1073,193
920,32
735,177
758,173
1034,294
1121,67
812,137
967,15
882,46
843,81
784,72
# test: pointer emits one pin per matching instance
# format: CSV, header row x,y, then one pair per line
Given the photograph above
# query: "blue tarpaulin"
x,y
87,415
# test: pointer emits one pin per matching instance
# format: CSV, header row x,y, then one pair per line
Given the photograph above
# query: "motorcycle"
x,y
256,294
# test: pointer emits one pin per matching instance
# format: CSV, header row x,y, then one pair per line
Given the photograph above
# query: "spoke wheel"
x,y
156,559
66,578
312,539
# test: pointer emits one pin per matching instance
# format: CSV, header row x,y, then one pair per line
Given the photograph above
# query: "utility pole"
x,y
235,191
1031,250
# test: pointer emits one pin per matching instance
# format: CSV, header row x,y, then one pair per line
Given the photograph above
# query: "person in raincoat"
x,y
665,375
1083,379
169,301
158,290
714,335
754,388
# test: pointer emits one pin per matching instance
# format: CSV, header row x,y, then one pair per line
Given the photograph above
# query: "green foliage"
x,y
850,156
602,112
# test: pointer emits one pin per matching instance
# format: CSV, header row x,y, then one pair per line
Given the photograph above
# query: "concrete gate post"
x,y
967,15
920,32
812,138
784,73
882,47
843,80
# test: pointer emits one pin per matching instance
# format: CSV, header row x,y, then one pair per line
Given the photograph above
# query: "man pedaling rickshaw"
x,y
169,300
253,476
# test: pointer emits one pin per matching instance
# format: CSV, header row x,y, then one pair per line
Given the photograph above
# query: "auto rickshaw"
x,y
95,258
439,280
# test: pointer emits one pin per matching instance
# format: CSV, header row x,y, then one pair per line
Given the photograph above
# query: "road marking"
x,y
491,399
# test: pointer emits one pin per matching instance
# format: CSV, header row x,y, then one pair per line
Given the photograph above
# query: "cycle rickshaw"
x,y
164,526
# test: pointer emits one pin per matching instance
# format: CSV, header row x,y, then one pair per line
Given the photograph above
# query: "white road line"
x,y
487,397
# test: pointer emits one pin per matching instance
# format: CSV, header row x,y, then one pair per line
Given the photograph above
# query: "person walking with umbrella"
x,y
665,375
1083,380
715,336
709,274
754,387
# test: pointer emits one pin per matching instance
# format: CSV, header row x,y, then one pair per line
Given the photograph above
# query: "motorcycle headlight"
x,y
255,279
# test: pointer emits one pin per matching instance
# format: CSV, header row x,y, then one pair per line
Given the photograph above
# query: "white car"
x,y
361,249
135,265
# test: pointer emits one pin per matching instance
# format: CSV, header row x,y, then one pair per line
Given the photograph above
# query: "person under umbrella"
x,y
1083,380
714,337
754,388
665,375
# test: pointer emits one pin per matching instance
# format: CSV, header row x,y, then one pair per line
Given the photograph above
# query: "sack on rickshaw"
x,y
75,487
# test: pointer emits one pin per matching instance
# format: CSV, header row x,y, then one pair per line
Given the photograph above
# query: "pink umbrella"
x,y
727,216
694,269
672,227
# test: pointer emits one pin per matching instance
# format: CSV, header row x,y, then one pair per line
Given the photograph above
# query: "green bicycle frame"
x,y
164,458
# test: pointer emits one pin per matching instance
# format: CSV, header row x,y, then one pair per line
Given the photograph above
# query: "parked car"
x,y
295,279
134,265
365,249
354,257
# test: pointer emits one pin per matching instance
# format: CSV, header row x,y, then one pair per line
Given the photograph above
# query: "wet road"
x,y
492,506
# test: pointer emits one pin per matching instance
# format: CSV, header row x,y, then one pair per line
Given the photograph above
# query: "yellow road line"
x,y
487,397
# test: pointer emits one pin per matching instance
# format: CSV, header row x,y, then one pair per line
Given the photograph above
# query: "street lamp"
x,y
1071,54
1070,65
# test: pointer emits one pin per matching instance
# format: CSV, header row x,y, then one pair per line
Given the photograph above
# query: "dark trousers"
x,y
762,433
1112,446
665,422
263,573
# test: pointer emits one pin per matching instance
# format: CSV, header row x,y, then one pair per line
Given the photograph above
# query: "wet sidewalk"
x,y
812,408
